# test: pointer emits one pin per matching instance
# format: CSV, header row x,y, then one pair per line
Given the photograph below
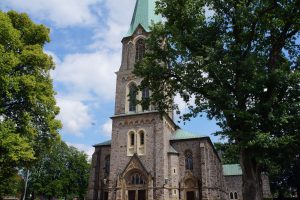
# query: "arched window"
x,y
231,195
145,98
137,179
235,195
107,164
142,138
140,49
131,143
132,139
132,97
188,160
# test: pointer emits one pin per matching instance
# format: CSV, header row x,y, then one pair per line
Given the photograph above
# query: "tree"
x,y
229,152
242,66
66,170
27,104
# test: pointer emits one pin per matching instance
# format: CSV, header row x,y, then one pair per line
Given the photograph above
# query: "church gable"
x,y
134,164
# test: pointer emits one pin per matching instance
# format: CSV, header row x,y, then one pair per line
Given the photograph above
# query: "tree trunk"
x,y
252,184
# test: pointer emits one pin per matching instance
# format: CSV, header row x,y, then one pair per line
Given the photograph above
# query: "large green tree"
x,y
27,104
241,65
62,171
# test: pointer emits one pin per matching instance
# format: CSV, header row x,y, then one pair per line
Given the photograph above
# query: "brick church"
x,y
149,156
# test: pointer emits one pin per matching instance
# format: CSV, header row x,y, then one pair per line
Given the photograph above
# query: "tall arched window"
x,y
188,160
142,138
131,139
131,143
132,97
231,195
107,164
145,98
139,49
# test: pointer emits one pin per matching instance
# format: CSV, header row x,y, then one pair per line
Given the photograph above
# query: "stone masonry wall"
x,y
96,172
154,160
234,184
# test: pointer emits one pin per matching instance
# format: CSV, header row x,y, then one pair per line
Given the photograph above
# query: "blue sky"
x,y
86,46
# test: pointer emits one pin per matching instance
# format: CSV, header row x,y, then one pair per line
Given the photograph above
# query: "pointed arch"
x,y
140,49
132,97
145,99
141,148
131,142
189,160
107,164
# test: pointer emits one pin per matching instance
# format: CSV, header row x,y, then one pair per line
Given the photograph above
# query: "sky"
x,y
86,47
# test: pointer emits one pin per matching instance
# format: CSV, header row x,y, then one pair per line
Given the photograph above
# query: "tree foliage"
x,y
62,171
27,104
242,66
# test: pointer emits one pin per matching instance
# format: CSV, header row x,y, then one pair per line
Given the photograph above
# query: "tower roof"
x,y
144,15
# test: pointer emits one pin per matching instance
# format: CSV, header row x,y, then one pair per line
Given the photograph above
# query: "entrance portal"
x,y
142,195
131,194
136,194
190,195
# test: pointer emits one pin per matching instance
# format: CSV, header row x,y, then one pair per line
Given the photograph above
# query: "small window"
x,y
235,195
142,138
131,139
188,160
140,50
231,195
107,164
132,97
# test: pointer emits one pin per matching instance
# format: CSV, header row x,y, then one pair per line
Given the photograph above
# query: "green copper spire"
x,y
144,14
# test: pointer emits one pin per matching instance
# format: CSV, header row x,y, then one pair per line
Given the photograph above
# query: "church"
x,y
149,157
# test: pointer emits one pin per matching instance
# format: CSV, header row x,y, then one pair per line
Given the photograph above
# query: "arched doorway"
x,y
190,187
136,185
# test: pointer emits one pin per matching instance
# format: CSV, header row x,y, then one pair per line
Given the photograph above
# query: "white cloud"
x,y
74,116
82,147
62,12
107,128
118,21
89,76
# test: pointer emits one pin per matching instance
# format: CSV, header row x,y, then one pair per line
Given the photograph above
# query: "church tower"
x,y
149,157
140,136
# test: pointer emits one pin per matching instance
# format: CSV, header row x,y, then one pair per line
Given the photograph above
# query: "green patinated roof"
x,y
144,15
232,170
106,143
184,135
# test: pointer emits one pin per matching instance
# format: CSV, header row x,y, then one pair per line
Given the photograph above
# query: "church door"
x,y
131,194
142,195
190,195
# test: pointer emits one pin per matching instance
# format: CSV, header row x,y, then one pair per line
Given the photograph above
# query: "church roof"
x,y
232,170
144,15
172,150
180,134
106,143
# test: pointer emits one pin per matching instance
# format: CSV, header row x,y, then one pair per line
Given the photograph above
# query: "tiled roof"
x,y
232,170
180,134
106,143
144,15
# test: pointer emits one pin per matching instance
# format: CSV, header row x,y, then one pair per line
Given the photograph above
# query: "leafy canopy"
x,y
27,104
241,65
66,170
